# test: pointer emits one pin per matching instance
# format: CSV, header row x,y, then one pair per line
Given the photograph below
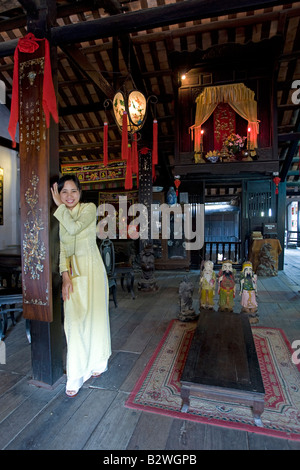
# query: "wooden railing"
x,y
218,251
292,238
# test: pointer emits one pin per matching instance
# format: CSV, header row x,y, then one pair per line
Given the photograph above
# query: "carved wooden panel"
x,y
145,188
35,191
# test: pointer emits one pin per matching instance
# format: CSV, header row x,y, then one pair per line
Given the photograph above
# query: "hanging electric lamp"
x,y
133,105
130,112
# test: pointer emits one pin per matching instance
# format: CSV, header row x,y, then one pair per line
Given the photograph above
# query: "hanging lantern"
x,y
177,183
130,112
276,180
134,105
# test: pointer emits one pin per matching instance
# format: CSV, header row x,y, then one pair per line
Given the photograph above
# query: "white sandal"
x,y
96,374
71,393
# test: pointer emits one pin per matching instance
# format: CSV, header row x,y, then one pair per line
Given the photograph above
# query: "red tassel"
x,y
154,151
124,137
49,98
105,141
134,154
153,173
128,178
135,159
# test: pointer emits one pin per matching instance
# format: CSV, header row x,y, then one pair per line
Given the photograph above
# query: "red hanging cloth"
x,y
105,144
135,159
29,44
154,150
128,178
124,149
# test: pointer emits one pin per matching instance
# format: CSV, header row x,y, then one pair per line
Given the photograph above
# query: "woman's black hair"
x,y
63,179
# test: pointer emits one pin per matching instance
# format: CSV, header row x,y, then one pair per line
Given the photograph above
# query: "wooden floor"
x,y
39,419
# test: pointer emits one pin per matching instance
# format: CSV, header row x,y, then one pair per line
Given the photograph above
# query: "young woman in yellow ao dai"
x,y
85,293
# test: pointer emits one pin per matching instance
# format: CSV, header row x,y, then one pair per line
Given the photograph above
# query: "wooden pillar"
x,y
280,214
39,231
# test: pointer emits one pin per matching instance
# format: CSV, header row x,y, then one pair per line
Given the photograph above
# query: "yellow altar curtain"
x,y
238,96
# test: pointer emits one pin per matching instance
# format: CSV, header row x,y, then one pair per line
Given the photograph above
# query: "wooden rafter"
x,y
81,62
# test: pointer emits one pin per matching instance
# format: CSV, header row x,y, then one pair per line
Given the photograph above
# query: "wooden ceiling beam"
x,y
30,6
81,62
150,18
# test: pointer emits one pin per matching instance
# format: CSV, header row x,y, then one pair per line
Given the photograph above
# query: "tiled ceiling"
x,y
94,37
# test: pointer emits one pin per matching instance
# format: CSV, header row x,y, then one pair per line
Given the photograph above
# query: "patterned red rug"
x,y
158,389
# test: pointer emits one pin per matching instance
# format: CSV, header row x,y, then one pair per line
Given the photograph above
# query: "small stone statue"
x,y
267,263
226,287
207,285
186,289
147,281
248,289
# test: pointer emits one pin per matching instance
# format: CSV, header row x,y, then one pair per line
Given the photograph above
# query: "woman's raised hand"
x,y
56,195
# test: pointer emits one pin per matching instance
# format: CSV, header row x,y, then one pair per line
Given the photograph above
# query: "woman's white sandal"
x,y
71,393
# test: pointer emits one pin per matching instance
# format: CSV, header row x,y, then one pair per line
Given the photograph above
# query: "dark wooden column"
x,y
280,208
39,165
39,231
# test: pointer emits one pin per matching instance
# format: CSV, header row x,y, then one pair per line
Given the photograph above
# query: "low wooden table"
x,y
222,363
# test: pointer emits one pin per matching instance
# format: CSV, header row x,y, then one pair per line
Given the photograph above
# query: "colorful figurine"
x,y
226,287
248,289
207,285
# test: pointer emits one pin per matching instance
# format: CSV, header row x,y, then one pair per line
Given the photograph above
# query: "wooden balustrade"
x,y
217,251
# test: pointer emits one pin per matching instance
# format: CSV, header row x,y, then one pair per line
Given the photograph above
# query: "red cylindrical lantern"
x,y
276,181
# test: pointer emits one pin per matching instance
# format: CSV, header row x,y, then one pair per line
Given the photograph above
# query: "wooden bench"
x,y
222,363
8,306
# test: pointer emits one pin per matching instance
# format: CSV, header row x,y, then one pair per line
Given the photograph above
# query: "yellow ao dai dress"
x,y
86,318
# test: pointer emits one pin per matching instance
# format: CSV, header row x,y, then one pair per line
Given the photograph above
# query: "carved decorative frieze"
x,y
34,250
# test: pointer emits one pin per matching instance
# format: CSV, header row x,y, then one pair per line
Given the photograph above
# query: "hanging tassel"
x,y
128,178
105,141
154,150
124,137
135,159
153,173
134,154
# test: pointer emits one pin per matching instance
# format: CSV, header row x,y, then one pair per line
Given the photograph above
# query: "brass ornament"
x,y
31,77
